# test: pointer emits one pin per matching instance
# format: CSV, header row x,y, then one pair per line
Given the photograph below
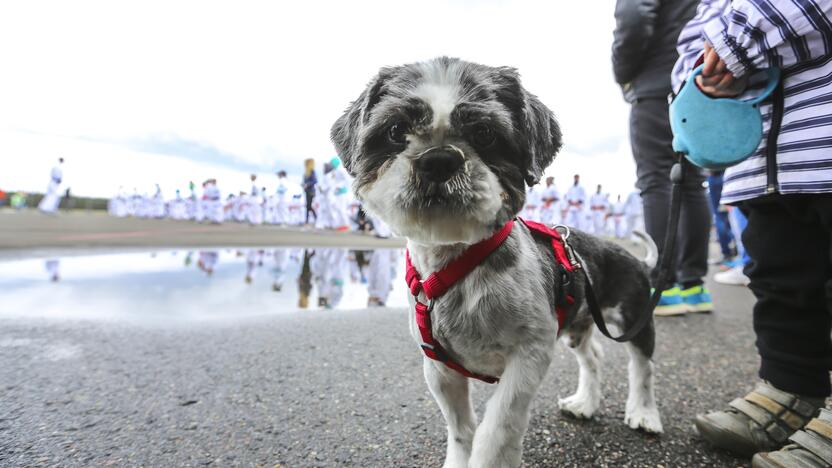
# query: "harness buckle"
x,y
570,253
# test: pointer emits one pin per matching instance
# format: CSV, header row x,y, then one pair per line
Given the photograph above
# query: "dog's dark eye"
x,y
482,135
397,133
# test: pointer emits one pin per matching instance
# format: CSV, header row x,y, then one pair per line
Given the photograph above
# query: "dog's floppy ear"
x,y
345,130
538,132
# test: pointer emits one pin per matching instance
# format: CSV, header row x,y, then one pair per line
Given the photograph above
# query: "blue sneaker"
x,y
698,299
671,303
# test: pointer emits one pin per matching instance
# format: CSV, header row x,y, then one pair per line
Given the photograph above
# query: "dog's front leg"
x,y
450,390
499,438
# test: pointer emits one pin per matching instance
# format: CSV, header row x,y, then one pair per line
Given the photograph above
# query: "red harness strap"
x,y
439,282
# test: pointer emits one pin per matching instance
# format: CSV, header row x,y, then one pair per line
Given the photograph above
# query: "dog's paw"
x,y
646,419
581,406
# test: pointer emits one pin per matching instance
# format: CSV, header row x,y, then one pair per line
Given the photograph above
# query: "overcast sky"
x,y
145,92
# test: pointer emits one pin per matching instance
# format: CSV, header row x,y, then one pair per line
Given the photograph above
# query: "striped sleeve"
x,y
755,34
690,43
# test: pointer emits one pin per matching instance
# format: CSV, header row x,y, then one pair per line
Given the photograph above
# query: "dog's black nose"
x,y
439,164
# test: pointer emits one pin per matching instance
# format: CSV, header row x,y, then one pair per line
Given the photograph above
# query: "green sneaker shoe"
x,y
671,303
698,299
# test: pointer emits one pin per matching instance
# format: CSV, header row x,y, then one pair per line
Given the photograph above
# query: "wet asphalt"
x,y
328,388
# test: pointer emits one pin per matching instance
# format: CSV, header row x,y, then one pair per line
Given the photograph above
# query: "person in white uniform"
x,y
617,210
177,208
52,199
254,211
599,206
339,196
208,261
531,209
576,200
282,199
53,267
212,202
323,199
380,276
550,199
634,213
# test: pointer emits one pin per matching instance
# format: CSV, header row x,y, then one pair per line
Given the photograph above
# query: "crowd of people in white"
x,y
328,203
328,200
595,213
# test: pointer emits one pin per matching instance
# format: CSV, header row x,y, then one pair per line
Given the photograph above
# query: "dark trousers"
x,y
310,199
789,239
651,138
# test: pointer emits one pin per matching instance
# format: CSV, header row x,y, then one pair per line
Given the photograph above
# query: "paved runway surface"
x,y
324,388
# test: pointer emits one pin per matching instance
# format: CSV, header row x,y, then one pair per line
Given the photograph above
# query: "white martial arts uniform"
x,y
549,202
617,210
254,210
531,209
212,205
576,200
52,199
329,270
297,204
380,275
634,213
598,205
177,208
338,198
208,261
282,201
53,267
323,187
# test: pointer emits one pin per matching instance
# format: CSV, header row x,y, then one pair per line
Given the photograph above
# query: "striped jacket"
x,y
796,36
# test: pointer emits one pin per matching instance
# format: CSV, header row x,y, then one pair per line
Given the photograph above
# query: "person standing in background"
x,y
720,215
599,204
309,182
643,55
52,199
550,198
575,199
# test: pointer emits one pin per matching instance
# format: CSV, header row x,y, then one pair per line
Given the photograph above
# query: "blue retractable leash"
x,y
715,133
712,133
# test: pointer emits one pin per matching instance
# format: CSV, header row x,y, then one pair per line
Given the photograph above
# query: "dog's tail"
x,y
652,257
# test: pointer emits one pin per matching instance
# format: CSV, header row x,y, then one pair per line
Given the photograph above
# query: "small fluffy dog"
x,y
442,151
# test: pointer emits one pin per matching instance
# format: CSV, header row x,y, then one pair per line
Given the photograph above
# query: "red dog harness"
x,y
439,282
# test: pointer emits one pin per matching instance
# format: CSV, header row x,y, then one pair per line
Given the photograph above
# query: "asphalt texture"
x,y
329,388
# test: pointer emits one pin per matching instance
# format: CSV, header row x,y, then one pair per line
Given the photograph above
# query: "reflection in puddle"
x,y
201,285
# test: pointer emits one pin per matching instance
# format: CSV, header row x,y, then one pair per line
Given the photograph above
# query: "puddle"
x,y
202,284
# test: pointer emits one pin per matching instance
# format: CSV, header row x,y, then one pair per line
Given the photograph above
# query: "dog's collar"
x,y
440,281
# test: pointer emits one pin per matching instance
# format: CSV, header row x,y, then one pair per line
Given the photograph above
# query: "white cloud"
x,y
265,80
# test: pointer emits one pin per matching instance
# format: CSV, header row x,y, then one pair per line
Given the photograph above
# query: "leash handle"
x,y
677,177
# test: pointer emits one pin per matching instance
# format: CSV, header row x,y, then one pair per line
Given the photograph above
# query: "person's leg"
x,y
738,224
723,227
650,140
788,240
694,230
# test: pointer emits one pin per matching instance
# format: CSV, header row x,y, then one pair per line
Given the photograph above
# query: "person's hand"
x,y
716,80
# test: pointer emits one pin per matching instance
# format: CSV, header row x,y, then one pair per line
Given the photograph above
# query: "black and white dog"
x,y
442,151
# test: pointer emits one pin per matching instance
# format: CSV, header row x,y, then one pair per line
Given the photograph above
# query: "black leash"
x,y
677,177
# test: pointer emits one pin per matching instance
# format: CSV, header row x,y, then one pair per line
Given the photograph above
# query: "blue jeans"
x,y
723,226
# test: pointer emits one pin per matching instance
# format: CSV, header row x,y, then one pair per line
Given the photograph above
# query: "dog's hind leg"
x,y
642,412
587,398
450,390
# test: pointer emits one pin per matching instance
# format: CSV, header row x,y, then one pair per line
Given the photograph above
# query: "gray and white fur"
x,y
442,151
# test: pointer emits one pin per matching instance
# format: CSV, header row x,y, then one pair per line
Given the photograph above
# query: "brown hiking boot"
x,y
763,420
810,447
